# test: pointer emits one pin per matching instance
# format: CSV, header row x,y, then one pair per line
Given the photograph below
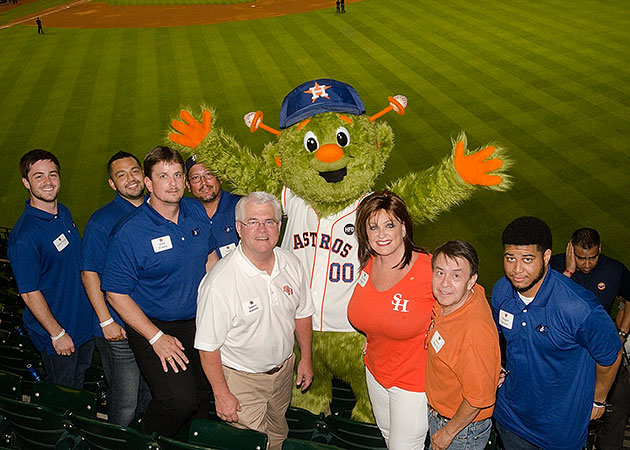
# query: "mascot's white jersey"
x,y
328,249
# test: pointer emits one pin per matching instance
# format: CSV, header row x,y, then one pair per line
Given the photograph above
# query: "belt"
x,y
439,416
274,370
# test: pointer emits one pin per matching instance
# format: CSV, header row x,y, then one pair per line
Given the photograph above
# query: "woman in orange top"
x,y
392,305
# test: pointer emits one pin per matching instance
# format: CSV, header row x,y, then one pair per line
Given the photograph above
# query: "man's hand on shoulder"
x,y
227,406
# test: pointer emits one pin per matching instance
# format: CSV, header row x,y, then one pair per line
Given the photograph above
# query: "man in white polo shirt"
x,y
250,307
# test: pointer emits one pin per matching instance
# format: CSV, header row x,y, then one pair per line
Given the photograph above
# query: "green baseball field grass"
x,y
547,79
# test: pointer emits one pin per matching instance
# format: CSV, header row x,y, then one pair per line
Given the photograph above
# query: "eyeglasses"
x,y
208,176
255,223
426,335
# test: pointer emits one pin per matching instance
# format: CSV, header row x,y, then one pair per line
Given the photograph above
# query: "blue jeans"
x,y
69,370
473,437
127,392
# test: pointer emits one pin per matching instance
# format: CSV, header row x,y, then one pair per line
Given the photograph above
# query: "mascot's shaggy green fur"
x,y
329,157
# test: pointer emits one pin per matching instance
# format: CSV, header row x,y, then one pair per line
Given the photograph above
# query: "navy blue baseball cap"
x,y
319,96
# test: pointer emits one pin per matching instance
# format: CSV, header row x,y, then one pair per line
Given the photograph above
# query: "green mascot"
x,y
324,162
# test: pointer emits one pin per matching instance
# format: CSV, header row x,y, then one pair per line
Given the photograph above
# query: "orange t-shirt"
x,y
467,361
395,322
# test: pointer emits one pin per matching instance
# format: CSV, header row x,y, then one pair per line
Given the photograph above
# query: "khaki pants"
x,y
264,400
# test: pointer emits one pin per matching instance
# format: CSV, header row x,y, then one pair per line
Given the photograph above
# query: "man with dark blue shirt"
x,y
156,258
562,349
219,204
127,393
607,278
45,251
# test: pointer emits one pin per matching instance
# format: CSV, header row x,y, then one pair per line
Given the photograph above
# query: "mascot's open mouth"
x,y
334,176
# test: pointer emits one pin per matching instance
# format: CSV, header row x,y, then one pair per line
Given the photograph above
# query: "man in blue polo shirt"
x,y
156,258
45,251
219,204
607,278
562,349
127,393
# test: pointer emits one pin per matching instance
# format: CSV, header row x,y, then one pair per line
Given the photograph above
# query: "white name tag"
x,y
251,306
437,341
61,242
227,249
363,278
162,243
506,319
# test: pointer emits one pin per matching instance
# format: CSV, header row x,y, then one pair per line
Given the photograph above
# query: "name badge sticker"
x,y
61,242
363,279
161,244
506,319
227,249
251,306
437,341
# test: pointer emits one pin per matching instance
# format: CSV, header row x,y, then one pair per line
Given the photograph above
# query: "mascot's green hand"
x,y
474,168
190,132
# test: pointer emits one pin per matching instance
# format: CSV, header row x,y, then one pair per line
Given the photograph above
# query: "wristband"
x,y
107,322
157,336
568,272
59,336
599,404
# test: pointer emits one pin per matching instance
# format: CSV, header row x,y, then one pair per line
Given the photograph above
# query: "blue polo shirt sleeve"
x,y
121,269
599,336
94,247
25,257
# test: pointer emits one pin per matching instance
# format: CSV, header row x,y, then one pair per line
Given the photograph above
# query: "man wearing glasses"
x,y
206,187
250,307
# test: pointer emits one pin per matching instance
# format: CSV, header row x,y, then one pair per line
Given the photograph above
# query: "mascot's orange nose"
x,y
329,153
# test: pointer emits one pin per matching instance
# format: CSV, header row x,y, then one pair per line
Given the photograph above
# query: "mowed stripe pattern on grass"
x,y
546,79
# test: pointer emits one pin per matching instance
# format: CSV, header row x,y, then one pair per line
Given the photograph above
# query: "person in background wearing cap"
x,y
607,278
562,349
206,187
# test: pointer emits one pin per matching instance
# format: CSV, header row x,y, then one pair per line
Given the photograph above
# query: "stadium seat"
x,y
173,444
306,426
10,385
350,434
35,427
107,436
299,444
343,399
63,398
16,360
9,320
206,432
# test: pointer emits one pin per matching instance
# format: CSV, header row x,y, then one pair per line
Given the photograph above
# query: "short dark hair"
x,y
393,205
458,249
116,157
30,158
159,154
528,230
585,238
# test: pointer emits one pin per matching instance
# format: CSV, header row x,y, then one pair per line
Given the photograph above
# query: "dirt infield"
x,y
88,14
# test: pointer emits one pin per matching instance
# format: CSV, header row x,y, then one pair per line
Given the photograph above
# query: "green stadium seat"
x,y
306,426
10,385
299,444
209,433
350,434
63,398
101,435
9,320
16,360
343,399
35,427
173,444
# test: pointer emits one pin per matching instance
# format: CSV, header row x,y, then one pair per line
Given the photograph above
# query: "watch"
x,y
623,334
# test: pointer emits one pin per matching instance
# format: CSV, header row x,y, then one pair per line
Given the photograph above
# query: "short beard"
x,y
539,277
132,197
210,198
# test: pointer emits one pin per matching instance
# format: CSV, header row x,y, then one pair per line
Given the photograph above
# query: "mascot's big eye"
x,y
343,137
310,141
